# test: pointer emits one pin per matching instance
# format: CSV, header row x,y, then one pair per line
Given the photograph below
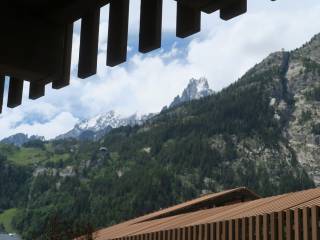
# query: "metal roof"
x,y
240,210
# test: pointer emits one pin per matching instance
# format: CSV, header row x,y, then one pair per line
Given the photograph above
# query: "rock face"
x,y
20,139
303,81
196,89
296,101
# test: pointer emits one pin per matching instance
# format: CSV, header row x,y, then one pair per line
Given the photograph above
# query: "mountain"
x,y
262,132
196,89
96,127
20,139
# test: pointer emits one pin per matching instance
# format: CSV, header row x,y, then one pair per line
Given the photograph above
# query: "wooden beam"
x,y
2,82
150,25
89,39
213,6
64,79
118,32
15,92
36,90
233,10
188,20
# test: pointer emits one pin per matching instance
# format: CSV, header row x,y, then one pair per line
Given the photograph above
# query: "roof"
x,y
148,223
210,200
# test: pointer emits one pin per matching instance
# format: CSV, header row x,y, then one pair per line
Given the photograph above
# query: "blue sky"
x,y
222,52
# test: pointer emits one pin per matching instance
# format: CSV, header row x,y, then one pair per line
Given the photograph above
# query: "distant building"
x,y
236,214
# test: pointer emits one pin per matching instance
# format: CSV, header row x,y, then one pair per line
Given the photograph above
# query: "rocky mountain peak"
x,y
97,126
196,89
100,121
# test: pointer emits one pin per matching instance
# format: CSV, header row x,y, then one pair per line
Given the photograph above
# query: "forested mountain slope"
x,y
252,134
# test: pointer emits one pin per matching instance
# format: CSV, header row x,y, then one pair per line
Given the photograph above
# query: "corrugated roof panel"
x,y
260,207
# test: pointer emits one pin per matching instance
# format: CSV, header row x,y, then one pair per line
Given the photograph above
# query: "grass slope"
x,y
6,219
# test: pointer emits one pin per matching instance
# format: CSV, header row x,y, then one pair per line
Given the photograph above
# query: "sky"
x,y
222,52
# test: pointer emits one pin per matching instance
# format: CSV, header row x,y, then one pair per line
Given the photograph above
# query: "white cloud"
x,y
222,52
14,123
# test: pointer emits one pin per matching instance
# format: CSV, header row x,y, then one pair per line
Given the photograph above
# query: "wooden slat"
x,y
245,229
2,82
64,79
195,4
194,232
213,6
218,231
251,228
15,92
231,229
201,233
289,225
213,229
206,232
258,227
266,226
274,226
306,213
173,235
191,231
234,10
179,233
188,20
297,224
281,225
89,41
224,230
150,25
184,233
236,230
315,222
37,90
118,32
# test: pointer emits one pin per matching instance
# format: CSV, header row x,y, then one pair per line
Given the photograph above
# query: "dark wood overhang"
x,y
36,37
